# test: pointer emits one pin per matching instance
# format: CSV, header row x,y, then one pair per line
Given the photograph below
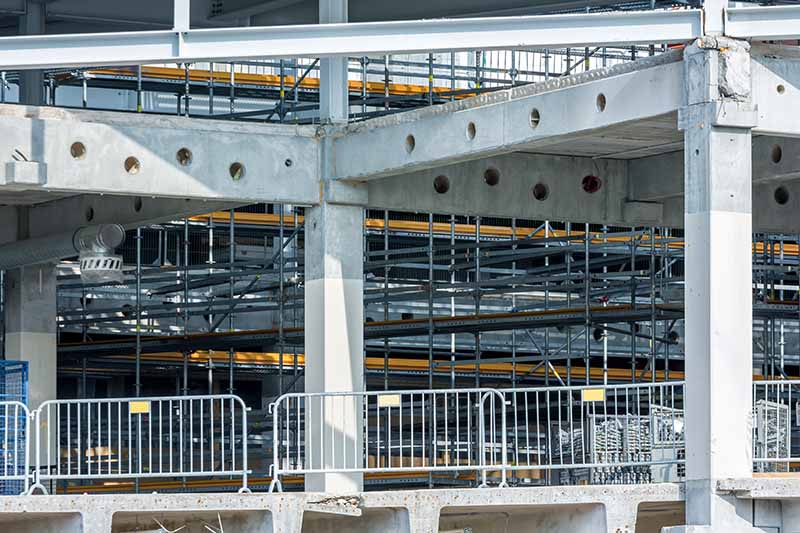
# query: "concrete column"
x,y
31,327
334,340
423,517
31,82
333,94
718,233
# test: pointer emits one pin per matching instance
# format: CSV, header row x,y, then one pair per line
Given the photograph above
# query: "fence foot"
x,y
32,490
275,484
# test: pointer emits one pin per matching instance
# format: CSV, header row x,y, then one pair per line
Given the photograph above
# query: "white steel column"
x,y
334,340
333,89
718,232
31,82
714,16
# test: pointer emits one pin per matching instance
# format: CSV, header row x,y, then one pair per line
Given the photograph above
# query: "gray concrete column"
x,y
333,94
31,326
334,340
423,517
31,82
718,233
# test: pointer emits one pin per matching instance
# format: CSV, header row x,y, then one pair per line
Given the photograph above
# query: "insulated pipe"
x,y
102,238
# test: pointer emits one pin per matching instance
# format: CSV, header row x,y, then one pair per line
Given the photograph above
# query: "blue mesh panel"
x,y
13,387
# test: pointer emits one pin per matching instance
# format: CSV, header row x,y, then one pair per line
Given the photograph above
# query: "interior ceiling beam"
x,y
247,8
323,40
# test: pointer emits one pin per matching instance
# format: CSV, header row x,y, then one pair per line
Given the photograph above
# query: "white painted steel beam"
x,y
54,150
774,23
323,40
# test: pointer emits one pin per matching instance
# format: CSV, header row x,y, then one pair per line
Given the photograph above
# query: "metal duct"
x,y
92,239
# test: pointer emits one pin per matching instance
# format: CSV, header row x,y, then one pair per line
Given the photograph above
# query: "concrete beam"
x,y
524,185
528,118
634,192
775,177
71,213
56,150
776,88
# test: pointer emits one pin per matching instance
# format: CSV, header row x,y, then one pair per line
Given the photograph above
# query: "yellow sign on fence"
x,y
139,407
593,395
389,400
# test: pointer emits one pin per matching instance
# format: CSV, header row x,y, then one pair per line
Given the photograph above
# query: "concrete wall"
x,y
553,519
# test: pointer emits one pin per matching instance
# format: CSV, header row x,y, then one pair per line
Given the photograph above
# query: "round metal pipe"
x,y
60,246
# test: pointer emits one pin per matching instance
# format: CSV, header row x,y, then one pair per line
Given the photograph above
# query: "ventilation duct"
x,y
94,246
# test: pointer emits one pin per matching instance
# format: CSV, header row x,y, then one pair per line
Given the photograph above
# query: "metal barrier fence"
x,y
14,454
593,434
597,434
389,431
135,438
775,444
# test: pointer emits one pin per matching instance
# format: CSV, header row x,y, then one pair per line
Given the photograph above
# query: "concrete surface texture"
x,y
615,509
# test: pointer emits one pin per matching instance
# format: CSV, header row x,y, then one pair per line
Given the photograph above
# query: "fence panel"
x,y
596,434
14,451
135,438
776,419
388,431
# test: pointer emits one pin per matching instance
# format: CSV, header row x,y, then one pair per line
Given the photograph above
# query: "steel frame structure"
x,y
188,46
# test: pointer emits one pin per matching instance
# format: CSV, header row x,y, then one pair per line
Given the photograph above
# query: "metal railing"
x,y
776,445
136,438
14,451
389,431
597,434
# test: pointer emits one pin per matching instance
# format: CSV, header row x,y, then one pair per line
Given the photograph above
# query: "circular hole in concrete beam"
x,y
236,171
535,118
89,214
540,192
601,102
132,165
77,150
780,88
591,184
491,176
441,184
184,157
411,143
471,131
781,195
776,154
